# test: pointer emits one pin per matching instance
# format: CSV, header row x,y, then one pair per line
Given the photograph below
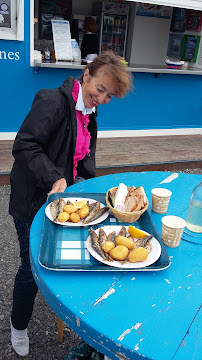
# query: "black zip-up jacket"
x,y
44,148
89,45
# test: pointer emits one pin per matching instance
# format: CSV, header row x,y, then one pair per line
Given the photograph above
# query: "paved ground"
x,y
43,326
131,150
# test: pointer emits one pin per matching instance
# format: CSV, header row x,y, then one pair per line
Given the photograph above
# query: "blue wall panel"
x,y
169,101
12,83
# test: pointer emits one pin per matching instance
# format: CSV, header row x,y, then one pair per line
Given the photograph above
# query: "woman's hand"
x,y
58,186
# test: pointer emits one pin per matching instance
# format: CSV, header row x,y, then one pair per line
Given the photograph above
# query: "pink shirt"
x,y
83,135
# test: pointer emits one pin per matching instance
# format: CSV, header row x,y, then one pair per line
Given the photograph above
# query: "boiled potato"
x,y
70,209
122,240
138,254
120,252
108,246
84,211
63,216
75,218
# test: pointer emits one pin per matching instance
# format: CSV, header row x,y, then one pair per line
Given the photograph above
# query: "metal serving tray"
x,y
64,248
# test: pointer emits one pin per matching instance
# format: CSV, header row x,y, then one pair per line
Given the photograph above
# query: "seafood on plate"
x,y
123,231
93,210
61,205
109,242
96,245
111,237
67,211
95,213
54,209
121,247
143,241
100,213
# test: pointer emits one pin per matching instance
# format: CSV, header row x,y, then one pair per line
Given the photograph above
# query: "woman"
x,y
89,45
54,148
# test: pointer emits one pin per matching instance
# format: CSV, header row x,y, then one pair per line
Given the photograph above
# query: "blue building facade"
x,y
168,101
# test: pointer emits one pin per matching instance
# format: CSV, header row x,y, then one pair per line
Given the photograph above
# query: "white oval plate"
x,y
70,223
152,257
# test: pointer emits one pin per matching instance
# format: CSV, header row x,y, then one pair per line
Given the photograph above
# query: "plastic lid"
x,y
170,62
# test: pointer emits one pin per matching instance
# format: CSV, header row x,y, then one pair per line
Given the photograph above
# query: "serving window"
x,y
151,34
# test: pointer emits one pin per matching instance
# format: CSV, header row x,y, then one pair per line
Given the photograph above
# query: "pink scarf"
x,y
83,135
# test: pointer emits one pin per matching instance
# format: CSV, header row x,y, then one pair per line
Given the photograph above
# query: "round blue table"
x,y
132,315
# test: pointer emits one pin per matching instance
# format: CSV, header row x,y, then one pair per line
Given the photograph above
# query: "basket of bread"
x,y
126,203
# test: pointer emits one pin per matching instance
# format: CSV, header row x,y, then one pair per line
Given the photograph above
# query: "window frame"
x,y
16,31
188,4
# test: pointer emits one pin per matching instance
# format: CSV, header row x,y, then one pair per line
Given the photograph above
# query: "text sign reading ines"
x,y
9,55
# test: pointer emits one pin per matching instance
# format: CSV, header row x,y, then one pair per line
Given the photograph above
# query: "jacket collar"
x,y
80,104
67,86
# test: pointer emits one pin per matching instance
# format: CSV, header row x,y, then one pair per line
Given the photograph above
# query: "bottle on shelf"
x,y
76,51
47,55
194,214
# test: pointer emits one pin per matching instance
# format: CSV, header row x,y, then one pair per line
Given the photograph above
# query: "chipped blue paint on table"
x,y
133,315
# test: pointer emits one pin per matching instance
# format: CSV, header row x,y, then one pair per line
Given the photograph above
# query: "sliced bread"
x,y
136,199
141,192
131,200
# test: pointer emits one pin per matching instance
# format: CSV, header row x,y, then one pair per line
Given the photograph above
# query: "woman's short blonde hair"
x,y
115,68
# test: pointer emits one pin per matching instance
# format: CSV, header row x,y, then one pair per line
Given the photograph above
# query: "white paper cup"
x,y
172,230
160,200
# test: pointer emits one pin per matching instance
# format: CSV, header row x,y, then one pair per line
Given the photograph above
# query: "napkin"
x,y
120,197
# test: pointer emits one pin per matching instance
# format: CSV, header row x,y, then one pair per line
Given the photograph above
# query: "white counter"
x,y
133,68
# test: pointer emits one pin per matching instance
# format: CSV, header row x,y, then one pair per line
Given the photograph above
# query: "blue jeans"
x,y
25,288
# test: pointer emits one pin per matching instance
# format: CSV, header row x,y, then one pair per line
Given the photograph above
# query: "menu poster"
x,y
194,20
62,40
190,45
200,56
153,10
174,46
179,18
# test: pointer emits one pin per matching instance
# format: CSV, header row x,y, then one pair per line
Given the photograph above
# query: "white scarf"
x,y
80,104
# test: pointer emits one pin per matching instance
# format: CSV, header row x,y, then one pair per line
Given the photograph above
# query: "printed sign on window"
x,y
4,8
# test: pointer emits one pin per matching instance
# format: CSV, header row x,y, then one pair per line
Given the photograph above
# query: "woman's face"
x,y
98,89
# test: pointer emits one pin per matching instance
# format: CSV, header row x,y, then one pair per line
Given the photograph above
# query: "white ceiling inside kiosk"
x,y
187,4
